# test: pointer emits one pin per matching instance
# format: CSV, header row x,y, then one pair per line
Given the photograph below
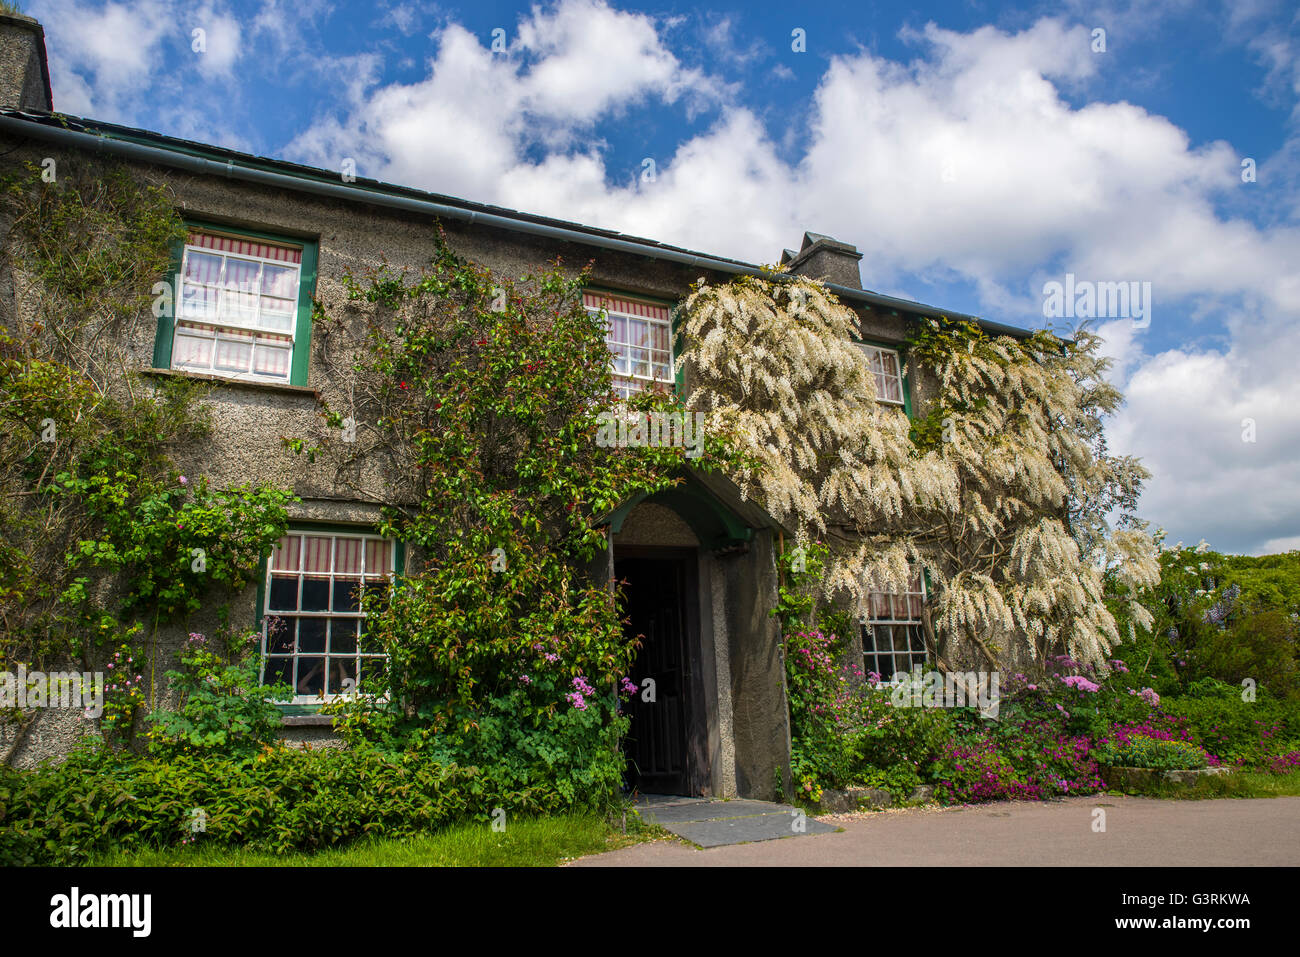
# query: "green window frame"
x,y
905,377
674,333
165,338
306,702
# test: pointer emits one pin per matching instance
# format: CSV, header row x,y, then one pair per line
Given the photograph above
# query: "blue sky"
x,y
973,153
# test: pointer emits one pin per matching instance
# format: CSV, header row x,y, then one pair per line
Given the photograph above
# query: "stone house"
x,y
700,562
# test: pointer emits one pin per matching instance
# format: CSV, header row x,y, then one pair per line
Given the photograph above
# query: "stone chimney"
x,y
24,70
827,259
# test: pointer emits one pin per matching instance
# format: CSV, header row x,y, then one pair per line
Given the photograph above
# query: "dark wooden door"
x,y
655,604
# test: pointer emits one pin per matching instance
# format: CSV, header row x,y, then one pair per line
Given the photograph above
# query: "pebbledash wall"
x,y
744,745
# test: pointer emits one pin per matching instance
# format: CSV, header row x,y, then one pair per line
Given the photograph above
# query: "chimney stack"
x,y
24,69
822,257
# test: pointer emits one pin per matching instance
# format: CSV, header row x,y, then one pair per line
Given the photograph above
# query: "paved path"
x,y
1139,832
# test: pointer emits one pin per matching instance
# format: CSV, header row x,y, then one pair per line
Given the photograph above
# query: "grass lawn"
x,y
1239,784
539,842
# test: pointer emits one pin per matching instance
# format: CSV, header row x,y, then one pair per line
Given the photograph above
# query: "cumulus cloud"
x,y
100,55
980,162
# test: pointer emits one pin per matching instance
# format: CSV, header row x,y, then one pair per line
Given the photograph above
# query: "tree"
x,y
999,493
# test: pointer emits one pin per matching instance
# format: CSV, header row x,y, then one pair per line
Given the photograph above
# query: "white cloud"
x,y
223,42
968,164
100,56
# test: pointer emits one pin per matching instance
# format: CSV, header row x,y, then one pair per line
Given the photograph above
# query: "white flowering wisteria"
x,y
1000,490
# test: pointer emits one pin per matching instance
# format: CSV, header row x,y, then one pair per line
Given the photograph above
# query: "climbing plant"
x,y
999,492
484,405
104,539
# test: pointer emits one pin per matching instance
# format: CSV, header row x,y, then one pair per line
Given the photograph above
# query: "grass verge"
x,y
536,842
1239,784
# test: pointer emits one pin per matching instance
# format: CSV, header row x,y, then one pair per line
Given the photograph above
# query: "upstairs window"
x,y
639,336
243,308
887,368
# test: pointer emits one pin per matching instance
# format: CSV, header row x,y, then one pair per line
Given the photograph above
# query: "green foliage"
x,y
1227,617
1241,732
173,544
482,401
223,707
277,800
104,540
1145,752
100,532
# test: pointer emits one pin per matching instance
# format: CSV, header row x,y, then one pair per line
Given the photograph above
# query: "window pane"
x,y
202,268
285,556
311,635
272,359
278,670
317,551
342,670
347,556
372,669
199,302
343,637
280,281
311,676
378,557
315,593
234,353
284,593
277,314
347,595
190,350
279,636
243,276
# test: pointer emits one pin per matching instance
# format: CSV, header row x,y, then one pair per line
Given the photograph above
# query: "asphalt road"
x,y
1138,832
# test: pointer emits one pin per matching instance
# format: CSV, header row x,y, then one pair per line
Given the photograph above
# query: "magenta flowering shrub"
x,y
1027,760
1285,763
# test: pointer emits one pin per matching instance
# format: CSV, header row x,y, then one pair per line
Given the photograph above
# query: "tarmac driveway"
x,y
1138,832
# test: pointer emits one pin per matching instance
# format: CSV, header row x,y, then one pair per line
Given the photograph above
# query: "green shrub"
x,y
1245,733
1146,752
277,800
223,707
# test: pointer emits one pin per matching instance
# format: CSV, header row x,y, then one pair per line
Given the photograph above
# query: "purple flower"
x,y
184,480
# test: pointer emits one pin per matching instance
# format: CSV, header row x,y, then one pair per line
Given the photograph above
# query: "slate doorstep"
x,y
852,799
1118,777
710,823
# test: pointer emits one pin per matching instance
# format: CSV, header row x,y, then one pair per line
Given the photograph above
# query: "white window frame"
x,y
896,376
269,614
644,382
213,326
910,626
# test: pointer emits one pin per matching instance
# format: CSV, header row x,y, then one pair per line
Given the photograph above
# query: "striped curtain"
x,y
245,247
